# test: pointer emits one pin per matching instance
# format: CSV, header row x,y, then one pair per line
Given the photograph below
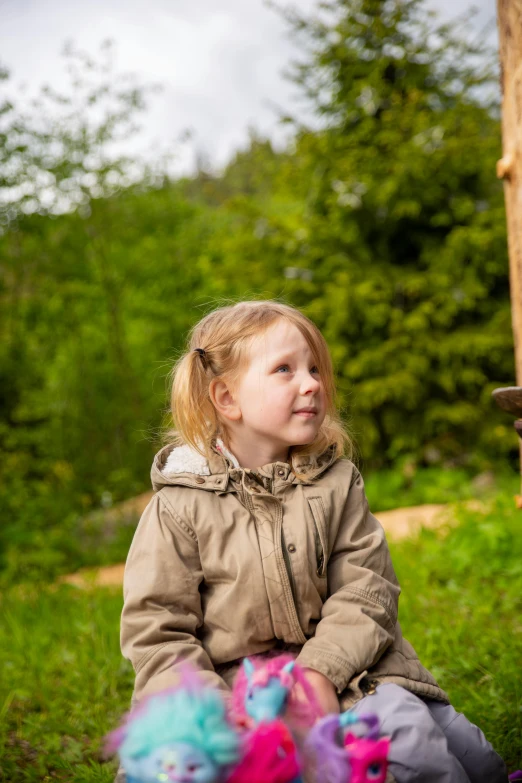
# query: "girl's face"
x,y
280,395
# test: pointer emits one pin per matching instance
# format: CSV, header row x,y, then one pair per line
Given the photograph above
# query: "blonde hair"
x,y
225,335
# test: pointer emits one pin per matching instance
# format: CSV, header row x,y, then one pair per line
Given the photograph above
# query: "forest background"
x,y
384,222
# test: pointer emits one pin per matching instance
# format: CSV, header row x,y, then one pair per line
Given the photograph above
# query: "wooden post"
x,y
509,167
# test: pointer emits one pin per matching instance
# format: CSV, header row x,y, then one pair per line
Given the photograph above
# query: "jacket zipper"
x,y
286,558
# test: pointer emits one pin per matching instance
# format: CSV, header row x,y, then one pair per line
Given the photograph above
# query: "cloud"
x,y
220,63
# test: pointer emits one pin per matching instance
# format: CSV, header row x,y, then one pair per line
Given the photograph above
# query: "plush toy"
x,y
350,758
180,735
266,688
183,734
269,756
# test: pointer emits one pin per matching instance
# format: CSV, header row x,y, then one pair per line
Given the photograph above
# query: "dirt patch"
x,y
107,576
406,522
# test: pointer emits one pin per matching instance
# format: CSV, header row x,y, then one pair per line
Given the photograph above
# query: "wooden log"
x,y
509,167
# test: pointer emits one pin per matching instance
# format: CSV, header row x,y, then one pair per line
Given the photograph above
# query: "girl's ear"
x,y
224,400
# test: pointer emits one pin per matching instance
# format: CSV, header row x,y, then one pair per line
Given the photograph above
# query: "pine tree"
x,y
404,226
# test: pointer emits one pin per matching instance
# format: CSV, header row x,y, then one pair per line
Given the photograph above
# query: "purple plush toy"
x,y
348,758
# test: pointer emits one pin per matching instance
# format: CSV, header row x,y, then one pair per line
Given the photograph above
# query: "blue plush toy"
x,y
180,735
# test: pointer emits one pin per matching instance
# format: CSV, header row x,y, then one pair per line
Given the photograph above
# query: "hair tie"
x,y
203,355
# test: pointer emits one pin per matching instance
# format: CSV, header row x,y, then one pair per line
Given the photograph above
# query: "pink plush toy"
x,y
368,758
269,756
268,687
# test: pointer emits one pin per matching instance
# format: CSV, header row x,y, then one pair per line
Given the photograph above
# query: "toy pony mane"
x,y
187,713
273,667
324,749
302,712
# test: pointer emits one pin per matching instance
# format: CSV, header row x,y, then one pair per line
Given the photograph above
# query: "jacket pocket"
x,y
321,546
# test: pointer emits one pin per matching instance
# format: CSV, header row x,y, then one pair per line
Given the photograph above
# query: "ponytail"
x,y
192,410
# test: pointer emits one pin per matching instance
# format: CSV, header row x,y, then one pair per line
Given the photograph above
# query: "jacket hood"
x,y
175,464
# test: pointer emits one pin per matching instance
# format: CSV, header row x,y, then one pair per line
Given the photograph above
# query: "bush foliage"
x,y
384,223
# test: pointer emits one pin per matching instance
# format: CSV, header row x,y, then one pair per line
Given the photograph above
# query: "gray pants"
x,y
431,742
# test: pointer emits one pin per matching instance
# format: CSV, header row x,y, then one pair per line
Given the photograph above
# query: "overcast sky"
x,y
219,61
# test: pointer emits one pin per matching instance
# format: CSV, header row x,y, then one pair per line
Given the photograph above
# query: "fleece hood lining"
x,y
185,459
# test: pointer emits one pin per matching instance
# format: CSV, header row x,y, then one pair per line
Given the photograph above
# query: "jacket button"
x,y
199,480
281,472
291,547
368,686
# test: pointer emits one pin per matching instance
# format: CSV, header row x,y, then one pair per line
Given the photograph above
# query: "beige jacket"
x,y
228,562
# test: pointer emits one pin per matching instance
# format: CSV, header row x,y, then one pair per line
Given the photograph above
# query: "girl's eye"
x,y
193,767
314,369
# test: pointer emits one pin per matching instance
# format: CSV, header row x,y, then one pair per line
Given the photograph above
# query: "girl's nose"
x,y
309,384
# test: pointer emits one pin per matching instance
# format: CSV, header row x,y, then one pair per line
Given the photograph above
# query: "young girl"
x,y
259,537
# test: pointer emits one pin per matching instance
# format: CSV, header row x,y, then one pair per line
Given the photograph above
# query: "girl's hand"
x,y
324,691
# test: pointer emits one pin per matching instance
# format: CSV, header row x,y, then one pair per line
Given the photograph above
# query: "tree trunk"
x,y
509,168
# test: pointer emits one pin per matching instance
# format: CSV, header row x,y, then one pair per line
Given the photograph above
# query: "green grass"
x,y
408,485
461,608
65,684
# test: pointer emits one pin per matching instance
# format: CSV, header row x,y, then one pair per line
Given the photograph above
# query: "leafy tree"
x,y
58,150
63,341
384,221
403,227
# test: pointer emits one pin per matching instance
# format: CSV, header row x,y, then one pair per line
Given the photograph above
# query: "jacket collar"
x,y
221,470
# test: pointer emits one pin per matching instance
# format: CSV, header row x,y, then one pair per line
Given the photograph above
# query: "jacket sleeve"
x,y
359,615
162,607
